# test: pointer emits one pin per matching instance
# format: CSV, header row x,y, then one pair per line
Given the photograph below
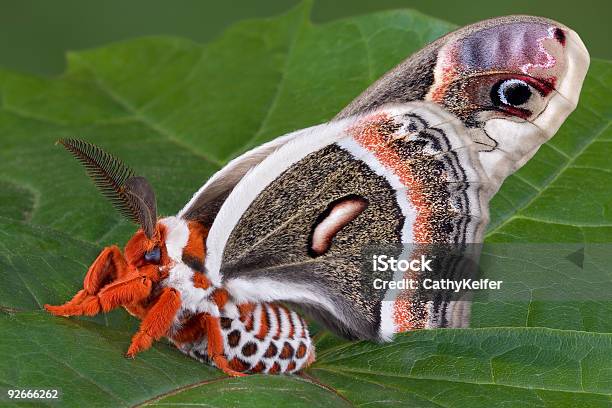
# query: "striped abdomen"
x,y
259,338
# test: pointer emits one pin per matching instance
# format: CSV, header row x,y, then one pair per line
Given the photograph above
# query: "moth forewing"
x,y
361,158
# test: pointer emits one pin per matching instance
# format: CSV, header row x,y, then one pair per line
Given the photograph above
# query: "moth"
x,y
160,279
414,159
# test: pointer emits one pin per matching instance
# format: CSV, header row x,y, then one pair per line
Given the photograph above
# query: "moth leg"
x,y
77,299
132,288
157,322
215,345
108,266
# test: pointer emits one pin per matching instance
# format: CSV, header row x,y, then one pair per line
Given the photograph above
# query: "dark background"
x,y
35,34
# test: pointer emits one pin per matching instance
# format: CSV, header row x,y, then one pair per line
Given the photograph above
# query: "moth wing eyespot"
x,y
511,92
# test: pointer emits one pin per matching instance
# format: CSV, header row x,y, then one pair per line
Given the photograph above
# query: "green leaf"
x,y
474,368
545,285
176,111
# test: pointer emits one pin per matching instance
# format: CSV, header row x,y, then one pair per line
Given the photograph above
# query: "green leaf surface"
x,y
176,111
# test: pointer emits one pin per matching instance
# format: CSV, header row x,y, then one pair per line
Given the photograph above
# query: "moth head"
x,y
177,241
140,251
130,194
181,244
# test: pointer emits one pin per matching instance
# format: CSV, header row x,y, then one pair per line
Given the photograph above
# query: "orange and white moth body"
x,y
162,281
256,338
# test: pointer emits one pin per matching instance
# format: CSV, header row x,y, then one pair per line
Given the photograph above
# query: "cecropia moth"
x,y
413,159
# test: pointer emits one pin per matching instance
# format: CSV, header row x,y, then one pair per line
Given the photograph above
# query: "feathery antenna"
x,y
131,195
